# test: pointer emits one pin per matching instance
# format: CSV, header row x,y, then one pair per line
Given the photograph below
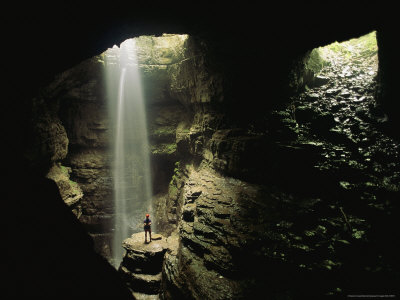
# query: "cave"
x,y
273,152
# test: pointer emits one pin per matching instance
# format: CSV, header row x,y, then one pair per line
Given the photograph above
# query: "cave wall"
x,y
260,205
387,77
223,194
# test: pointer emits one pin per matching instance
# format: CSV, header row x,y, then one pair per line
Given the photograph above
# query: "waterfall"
x,y
130,148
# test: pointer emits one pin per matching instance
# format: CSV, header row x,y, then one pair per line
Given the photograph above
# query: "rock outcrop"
x,y
217,230
70,191
142,263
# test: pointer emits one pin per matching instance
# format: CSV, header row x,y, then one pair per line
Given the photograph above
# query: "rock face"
x,y
142,263
70,191
78,96
300,191
219,237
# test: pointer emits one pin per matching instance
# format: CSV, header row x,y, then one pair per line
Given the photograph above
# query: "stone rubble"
x,y
341,131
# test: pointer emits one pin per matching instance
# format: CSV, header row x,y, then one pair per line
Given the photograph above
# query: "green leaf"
x,y
344,241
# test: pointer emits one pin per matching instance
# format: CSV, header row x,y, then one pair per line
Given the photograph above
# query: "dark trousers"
x,y
147,229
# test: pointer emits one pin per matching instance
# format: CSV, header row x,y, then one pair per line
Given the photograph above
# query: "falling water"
x,y
131,171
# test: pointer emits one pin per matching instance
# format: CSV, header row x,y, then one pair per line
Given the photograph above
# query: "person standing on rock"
x,y
147,227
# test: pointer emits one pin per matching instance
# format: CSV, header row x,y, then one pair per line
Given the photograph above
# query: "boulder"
x,y
345,94
320,81
332,92
359,99
142,296
143,283
312,97
70,191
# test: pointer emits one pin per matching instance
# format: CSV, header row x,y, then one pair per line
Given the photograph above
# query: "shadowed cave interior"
x,y
273,154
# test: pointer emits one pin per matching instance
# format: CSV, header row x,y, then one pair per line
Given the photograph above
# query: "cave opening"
x,y
334,147
343,72
125,70
350,59
340,83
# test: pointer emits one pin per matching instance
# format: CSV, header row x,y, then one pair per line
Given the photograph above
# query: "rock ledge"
x,y
142,263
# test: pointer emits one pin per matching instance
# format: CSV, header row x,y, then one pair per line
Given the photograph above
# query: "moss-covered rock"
x,y
163,149
70,191
315,62
47,142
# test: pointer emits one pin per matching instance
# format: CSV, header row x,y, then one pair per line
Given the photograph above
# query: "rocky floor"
x,y
343,117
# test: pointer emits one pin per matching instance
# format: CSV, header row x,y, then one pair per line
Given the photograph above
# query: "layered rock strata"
x,y
142,263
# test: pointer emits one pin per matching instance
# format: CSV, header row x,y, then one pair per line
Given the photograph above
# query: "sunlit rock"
x,y
320,81
142,263
70,191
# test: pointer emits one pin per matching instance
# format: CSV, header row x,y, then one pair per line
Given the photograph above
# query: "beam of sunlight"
x,y
130,148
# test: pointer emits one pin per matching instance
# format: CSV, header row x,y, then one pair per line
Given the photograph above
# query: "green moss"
x,y
316,62
163,148
367,44
358,234
172,188
363,46
176,173
177,164
163,131
64,169
171,148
